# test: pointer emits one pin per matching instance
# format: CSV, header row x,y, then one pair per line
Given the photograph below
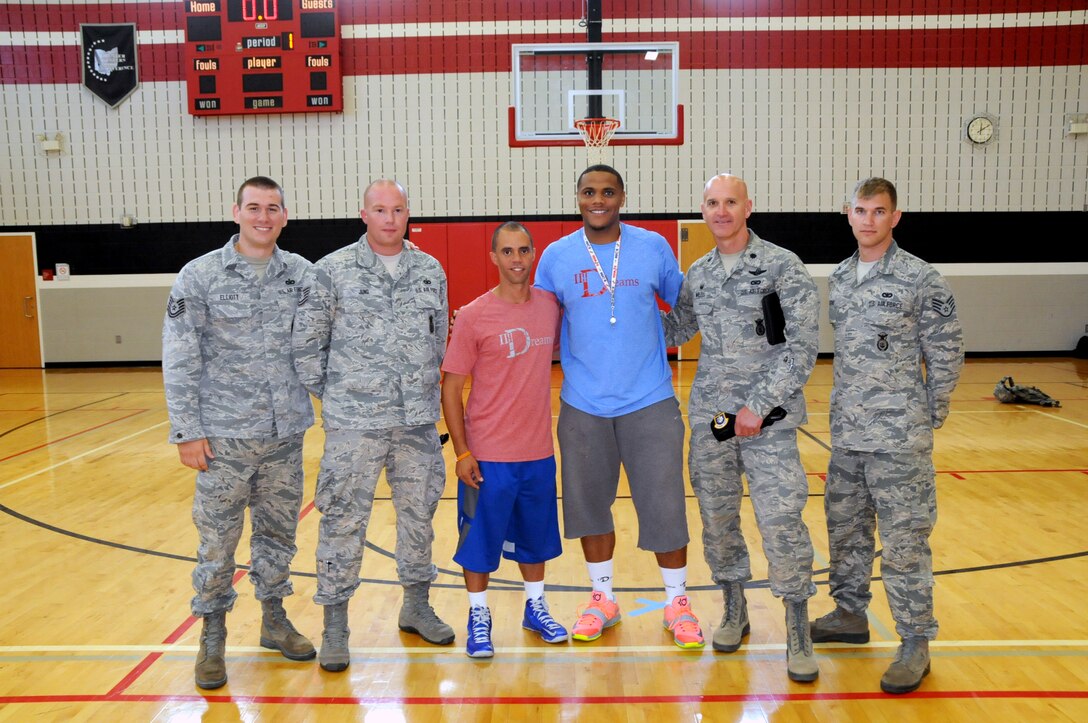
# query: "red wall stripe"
x,y
952,48
40,17
22,64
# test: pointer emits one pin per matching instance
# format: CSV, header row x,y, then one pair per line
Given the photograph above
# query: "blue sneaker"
x,y
540,621
479,633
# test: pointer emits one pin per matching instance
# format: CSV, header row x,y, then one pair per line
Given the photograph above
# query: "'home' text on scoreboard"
x,y
262,56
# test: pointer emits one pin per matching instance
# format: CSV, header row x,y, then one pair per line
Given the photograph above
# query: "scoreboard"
x,y
262,56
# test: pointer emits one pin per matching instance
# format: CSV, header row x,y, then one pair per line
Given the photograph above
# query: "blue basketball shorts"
x,y
513,515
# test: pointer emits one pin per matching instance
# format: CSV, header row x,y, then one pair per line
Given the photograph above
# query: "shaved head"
x,y
725,177
384,183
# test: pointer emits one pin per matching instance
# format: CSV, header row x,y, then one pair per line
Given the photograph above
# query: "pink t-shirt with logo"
x,y
507,350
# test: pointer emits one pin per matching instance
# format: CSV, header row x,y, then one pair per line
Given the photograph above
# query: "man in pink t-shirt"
x,y
504,340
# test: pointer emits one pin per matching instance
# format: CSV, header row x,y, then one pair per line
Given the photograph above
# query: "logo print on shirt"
x,y
582,278
517,340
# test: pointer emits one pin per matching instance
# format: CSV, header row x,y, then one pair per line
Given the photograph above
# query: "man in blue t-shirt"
x,y
617,400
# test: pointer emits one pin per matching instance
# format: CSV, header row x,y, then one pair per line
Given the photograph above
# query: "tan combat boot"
x,y
211,668
910,666
277,633
335,655
728,636
800,661
840,626
417,616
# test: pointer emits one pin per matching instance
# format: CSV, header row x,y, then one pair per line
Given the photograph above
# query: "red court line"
x,y
75,434
957,473
116,693
69,411
173,637
557,700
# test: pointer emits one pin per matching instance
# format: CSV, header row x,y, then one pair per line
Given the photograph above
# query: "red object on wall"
x,y
468,244
431,238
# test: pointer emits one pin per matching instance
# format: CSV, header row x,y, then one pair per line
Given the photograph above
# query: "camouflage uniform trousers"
x,y
266,476
352,461
896,491
779,492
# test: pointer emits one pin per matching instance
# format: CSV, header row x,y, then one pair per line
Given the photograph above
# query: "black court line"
x,y
814,438
513,584
62,411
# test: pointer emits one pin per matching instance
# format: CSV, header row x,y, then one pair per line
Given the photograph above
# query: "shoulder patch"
x,y
175,307
945,307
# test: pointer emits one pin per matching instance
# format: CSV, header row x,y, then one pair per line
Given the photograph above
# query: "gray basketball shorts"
x,y
649,443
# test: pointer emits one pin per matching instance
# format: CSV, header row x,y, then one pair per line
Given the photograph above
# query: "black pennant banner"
x,y
109,60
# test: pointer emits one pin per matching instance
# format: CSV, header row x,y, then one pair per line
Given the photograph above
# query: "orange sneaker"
x,y
599,613
682,622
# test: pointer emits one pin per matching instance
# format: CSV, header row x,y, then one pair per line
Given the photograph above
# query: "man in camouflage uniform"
x,y
370,340
238,414
891,312
745,370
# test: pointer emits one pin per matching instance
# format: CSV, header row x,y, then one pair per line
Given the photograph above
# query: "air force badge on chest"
x,y
754,287
886,312
292,287
886,301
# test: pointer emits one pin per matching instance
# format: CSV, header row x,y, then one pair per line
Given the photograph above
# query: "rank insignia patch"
x,y
175,307
944,307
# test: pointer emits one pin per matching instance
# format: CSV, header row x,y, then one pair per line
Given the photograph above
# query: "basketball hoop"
x,y
596,133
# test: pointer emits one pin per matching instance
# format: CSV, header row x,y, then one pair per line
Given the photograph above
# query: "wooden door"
x,y
18,303
695,242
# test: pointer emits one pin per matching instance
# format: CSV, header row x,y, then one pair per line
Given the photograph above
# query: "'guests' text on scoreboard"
x,y
262,56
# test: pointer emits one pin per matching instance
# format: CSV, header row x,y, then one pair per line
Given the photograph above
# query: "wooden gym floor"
x,y
98,546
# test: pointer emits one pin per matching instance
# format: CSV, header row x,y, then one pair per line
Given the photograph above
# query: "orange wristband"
x,y
463,456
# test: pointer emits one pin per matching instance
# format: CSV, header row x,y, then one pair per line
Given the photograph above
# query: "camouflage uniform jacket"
x,y
901,314
370,345
226,343
737,366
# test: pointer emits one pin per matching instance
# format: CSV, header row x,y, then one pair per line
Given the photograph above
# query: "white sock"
x,y
533,590
477,599
676,581
600,577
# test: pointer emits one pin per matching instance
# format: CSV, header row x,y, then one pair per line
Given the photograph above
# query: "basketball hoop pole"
x,y
594,61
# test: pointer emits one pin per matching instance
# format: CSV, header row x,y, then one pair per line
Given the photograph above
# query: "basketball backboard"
x,y
555,84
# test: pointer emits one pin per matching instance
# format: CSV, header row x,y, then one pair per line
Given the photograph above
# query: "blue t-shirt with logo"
x,y
612,369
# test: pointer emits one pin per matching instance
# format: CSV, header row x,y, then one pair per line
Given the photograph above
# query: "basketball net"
x,y
596,133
